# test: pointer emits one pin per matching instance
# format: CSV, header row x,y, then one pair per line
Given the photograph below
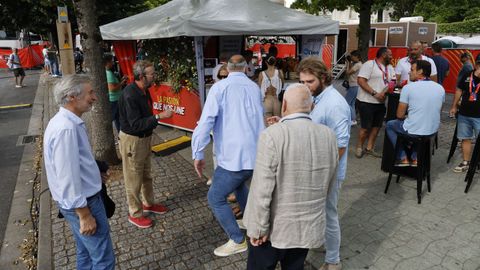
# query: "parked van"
x,y
10,40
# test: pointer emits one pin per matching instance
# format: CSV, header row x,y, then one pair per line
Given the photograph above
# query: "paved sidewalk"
x,y
379,231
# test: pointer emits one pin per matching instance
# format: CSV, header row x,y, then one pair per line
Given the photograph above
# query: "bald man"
x,y
234,111
404,65
296,164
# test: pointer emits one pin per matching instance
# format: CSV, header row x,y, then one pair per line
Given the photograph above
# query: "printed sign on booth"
x,y
185,106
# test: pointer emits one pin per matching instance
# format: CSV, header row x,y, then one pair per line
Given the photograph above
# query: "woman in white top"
x,y
271,82
353,67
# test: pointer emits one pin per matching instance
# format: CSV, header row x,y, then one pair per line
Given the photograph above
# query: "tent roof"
x,y
470,41
217,18
451,38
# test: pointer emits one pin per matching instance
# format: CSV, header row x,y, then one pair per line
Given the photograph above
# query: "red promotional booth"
x,y
196,19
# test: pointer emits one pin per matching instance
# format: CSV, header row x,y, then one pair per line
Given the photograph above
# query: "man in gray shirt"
x,y
295,167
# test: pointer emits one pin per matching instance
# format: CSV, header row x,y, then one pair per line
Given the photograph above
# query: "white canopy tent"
x,y
200,18
217,18
470,43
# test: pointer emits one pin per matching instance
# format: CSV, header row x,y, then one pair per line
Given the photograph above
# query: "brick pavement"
x,y
379,231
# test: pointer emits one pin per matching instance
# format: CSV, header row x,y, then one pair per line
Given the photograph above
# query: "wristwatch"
x,y
374,93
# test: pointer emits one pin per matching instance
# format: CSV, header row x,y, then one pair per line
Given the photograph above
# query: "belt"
x,y
139,135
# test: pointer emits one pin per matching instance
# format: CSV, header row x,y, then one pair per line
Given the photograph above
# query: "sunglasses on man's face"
x,y
221,77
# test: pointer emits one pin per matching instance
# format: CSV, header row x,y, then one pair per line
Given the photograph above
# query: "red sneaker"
x,y
141,222
156,208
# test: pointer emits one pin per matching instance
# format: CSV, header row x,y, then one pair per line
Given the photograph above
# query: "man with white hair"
x,y
295,167
73,176
234,111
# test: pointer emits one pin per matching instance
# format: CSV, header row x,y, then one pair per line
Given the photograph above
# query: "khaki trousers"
x,y
137,166
271,105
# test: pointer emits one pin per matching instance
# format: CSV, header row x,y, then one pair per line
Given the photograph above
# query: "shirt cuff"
x,y
199,156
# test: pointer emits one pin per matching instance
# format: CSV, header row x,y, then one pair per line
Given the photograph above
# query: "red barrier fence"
x,y
29,57
452,55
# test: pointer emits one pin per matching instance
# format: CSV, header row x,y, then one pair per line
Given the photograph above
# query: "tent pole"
x,y
200,69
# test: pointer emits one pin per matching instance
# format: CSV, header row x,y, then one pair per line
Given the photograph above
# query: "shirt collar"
x,y
71,116
295,116
322,94
237,73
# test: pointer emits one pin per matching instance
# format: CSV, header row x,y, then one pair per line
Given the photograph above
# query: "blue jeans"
x,y
55,69
467,127
332,230
351,97
115,114
395,127
225,183
94,251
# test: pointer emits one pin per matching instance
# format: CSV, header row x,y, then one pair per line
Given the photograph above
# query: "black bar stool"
x,y
474,164
422,145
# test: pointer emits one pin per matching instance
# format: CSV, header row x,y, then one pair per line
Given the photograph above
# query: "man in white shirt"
x,y
46,61
16,66
73,175
374,80
404,64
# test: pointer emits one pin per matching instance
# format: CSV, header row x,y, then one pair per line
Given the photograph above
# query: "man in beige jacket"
x,y
295,166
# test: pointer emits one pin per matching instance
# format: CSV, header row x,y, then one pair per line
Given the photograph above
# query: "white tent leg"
x,y
200,68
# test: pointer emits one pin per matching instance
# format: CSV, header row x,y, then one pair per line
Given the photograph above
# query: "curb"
x,y
15,233
44,255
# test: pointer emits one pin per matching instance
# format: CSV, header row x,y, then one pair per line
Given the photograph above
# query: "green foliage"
x,y
469,26
446,11
39,16
174,60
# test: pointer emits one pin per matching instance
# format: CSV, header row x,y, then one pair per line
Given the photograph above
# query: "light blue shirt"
x,y
234,111
332,110
425,100
72,172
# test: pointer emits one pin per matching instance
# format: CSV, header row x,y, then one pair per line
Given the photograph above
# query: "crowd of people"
x,y
285,161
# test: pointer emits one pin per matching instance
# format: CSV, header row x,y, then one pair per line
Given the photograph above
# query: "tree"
x,y
363,7
99,119
446,11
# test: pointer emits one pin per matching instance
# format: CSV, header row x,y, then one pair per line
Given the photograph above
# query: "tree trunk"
x,y
99,120
364,28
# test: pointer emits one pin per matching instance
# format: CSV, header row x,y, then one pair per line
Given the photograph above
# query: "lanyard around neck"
x,y
384,73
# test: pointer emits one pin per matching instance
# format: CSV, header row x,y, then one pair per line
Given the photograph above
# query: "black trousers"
x,y
266,257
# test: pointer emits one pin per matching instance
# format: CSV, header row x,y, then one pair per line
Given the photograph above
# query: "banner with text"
x,y
312,45
184,105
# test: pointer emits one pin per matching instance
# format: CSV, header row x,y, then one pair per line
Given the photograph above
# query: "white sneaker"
x,y
230,248
354,123
240,224
18,86
209,182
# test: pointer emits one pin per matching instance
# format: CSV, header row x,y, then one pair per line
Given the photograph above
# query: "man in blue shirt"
x,y
331,110
234,111
73,176
443,67
466,68
424,99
